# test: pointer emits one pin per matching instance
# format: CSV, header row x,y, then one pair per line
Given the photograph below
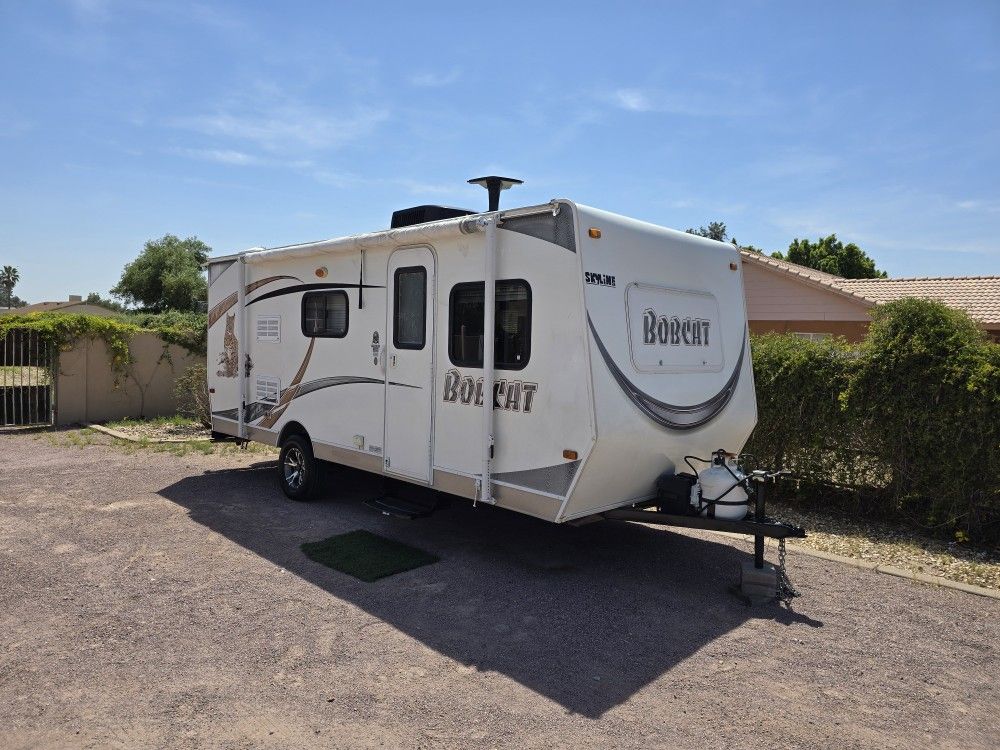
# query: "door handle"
x,y
392,360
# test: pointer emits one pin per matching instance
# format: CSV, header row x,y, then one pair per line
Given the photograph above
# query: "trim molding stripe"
x,y
310,287
669,415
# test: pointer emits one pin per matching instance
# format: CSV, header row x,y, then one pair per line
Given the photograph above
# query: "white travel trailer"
x,y
617,348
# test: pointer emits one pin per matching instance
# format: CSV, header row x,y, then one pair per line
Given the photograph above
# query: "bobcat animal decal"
x,y
230,357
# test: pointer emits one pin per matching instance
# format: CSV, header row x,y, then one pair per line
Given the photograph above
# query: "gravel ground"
x,y
889,544
162,429
155,600
885,544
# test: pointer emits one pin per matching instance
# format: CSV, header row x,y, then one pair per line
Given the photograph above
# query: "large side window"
x,y
512,333
409,322
324,314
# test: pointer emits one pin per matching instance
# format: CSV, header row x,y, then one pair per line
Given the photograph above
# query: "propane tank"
x,y
713,484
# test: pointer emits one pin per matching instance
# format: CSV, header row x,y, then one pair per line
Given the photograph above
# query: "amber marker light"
x,y
569,455
594,232
322,272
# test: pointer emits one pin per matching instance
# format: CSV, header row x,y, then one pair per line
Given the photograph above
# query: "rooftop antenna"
x,y
494,185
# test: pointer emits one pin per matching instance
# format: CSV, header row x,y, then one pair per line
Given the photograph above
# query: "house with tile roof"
x,y
789,298
74,304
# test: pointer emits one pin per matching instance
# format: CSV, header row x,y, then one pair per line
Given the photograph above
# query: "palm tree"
x,y
9,277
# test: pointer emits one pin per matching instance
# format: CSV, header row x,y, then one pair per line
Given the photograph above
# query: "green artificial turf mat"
x,y
366,556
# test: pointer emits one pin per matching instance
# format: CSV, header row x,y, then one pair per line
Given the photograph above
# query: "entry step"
x,y
398,507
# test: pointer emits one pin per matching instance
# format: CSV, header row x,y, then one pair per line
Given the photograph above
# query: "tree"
x,y
9,277
751,248
716,230
832,256
96,299
167,275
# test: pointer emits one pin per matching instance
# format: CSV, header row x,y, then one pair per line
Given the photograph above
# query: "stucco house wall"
x,y
784,304
76,308
787,298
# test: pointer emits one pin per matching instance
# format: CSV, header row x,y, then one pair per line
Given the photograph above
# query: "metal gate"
x,y
26,375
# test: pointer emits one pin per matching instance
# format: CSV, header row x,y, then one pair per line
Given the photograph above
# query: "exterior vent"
x,y
269,328
406,217
268,388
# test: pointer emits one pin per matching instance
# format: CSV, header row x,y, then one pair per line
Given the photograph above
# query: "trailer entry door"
x,y
409,381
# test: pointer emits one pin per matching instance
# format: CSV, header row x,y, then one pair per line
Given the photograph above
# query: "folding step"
x,y
398,507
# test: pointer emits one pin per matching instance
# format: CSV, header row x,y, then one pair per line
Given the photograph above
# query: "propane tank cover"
x,y
712,483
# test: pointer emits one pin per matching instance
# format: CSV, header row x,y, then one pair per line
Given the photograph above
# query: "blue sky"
x,y
251,123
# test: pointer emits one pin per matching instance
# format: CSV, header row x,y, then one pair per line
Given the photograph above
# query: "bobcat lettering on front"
x,y
508,395
673,331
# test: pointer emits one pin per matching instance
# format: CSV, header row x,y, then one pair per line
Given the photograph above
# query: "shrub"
x,y
907,424
801,424
191,391
62,330
925,397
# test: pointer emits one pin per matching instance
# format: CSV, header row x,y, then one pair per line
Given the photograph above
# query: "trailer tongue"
x,y
759,582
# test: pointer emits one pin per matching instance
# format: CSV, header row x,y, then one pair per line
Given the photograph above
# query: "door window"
x,y
410,308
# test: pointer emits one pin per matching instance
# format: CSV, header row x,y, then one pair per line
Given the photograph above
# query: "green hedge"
x,y
907,424
62,330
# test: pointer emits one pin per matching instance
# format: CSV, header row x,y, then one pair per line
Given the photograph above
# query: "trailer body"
x,y
619,348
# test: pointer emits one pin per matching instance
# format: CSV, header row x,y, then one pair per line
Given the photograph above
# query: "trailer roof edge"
x,y
416,233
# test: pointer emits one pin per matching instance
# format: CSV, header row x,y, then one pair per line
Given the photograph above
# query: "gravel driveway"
x,y
150,600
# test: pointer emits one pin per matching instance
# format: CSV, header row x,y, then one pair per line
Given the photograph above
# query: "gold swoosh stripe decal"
x,y
293,388
223,306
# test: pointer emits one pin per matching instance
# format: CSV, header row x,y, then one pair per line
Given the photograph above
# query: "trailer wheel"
x,y
299,471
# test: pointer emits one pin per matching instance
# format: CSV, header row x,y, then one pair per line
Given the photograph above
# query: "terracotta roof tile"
x,y
979,296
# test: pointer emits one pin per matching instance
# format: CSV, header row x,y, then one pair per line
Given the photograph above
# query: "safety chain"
x,y
786,591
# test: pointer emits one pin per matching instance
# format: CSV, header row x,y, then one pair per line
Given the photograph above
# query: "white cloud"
x,y
221,156
795,162
633,100
175,11
13,125
416,187
673,103
287,126
697,95
430,79
94,9
989,207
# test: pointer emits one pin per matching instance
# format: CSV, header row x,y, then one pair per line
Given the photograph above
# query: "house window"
x,y
512,330
409,308
813,336
324,314
268,328
268,388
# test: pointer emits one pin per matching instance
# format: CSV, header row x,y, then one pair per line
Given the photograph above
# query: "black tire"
x,y
299,471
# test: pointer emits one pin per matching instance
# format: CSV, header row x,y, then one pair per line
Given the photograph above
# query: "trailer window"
x,y
324,314
512,330
409,307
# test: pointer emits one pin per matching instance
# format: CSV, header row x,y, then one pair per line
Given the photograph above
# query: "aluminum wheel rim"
x,y
295,468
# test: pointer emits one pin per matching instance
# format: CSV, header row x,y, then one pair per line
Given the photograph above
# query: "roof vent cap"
x,y
494,185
